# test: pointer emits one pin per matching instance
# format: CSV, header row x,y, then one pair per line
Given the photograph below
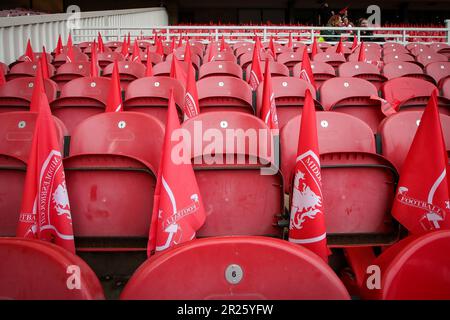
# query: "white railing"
x,y
401,35
43,30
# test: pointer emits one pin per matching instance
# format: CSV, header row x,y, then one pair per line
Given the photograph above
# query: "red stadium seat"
x,y
358,185
246,59
128,71
394,47
195,59
220,68
412,93
150,95
4,68
289,97
235,268
397,133
221,56
154,58
224,94
438,46
80,99
427,58
421,51
26,69
405,69
230,179
322,72
415,46
398,57
289,59
88,50
334,59
276,69
352,96
363,70
416,268
111,175
438,70
106,58
332,49
62,58
52,267
16,134
70,71
243,50
15,95
446,88
163,68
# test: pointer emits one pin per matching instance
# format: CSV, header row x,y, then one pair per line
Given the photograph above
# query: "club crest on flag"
x,y
254,81
304,76
190,105
307,194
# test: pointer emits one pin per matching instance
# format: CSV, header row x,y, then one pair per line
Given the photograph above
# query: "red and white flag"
x,y
69,41
45,210
59,46
114,102
290,44
178,210
70,55
307,223
362,53
124,50
94,68
44,64
136,56
256,75
177,71
223,45
355,43
272,49
314,48
149,69
340,47
306,70
101,46
29,54
268,107
191,107
422,202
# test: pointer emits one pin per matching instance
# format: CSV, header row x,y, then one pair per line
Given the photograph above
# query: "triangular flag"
x,y
314,48
290,44
307,219
59,46
94,68
177,71
124,50
45,210
2,77
422,202
129,40
38,86
191,106
69,41
178,211
362,53
29,54
136,56
180,42
256,75
306,70
172,45
268,107
149,69
355,43
101,46
45,71
114,102
339,47
222,44
212,52
70,56
272,48
159,47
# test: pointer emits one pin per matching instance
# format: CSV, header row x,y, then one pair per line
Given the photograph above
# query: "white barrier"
x,y
44,29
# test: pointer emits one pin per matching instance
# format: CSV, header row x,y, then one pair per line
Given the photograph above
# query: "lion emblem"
x,y
61,200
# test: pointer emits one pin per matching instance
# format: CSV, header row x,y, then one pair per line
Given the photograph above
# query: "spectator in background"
x,y
325,13
347,23
367,35
334,21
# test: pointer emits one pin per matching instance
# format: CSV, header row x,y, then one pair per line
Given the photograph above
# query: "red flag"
x,y
114,103
136,56
124,50
314,48
172,45
59,46
101,46
187,54
268,107
94,69
256,75
129,40
307,223
177,71
362,53
45,72
45,210
37,85
339,47
149,69
212,52
290,45
272,48
29,54
306,70
70,56
355,43
2,77
69,41
222,44
191,106
179,212
159,47
180,42
422,203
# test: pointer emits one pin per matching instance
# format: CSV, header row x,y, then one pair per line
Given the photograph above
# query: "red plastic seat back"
x,y
87,87
400,69
427,58
397,133
422,259
334,59
404,88
105,58
163,68
394,47
220,68
438,70
337,132
151,95
224,93
62,58
52,267
77,68
397,57
351,69
289,95
128,71
289,59
276,69
247,58
322,71
235,268
124,133
446,88
336,89
26,69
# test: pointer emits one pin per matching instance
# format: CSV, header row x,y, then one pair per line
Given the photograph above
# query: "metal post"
x,y
264,34
404,37
217,35
168,34
447,27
